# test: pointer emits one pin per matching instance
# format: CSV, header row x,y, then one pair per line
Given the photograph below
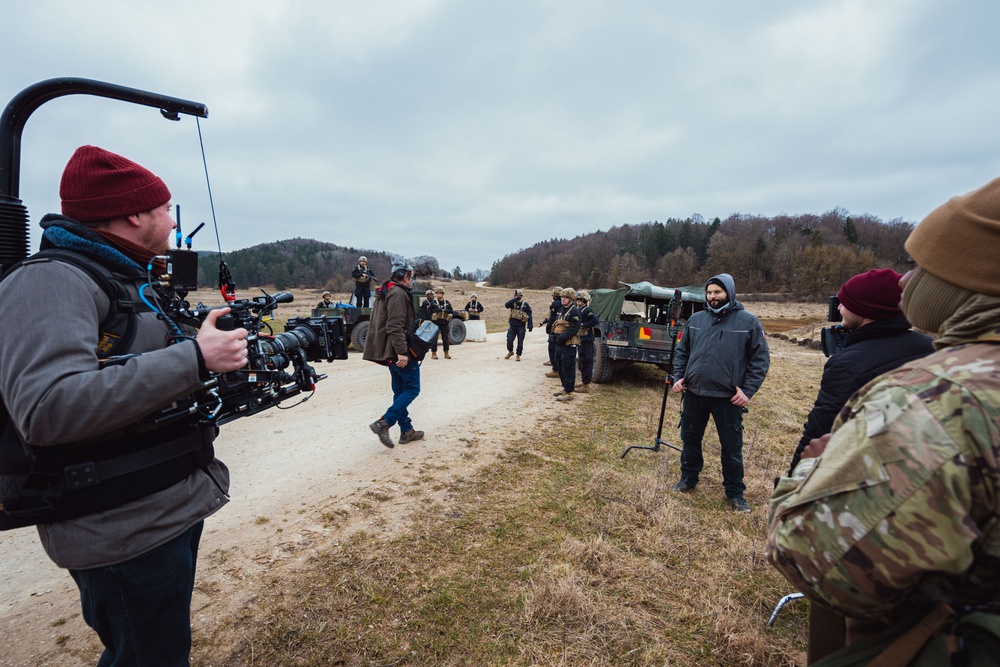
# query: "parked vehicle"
x,y
635,325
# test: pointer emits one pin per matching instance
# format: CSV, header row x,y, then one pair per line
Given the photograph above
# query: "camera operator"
x,y
880,340
130,540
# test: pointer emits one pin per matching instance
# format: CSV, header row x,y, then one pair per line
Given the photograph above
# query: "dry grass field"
x,y
558,551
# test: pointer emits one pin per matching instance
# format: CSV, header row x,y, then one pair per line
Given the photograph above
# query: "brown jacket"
x,y
392,322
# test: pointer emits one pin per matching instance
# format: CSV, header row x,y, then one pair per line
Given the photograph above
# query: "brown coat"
x,y
392,322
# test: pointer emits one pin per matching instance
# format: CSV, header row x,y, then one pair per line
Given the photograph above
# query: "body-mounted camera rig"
x,y
278,365
832,339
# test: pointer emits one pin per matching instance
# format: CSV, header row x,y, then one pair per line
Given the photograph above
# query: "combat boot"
x,y
446,355
434,355
410,436
381,429
565,397
517,358
511,354
552,374
582,388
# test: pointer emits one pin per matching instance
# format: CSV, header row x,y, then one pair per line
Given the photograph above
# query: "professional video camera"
x,y
278,365
832,339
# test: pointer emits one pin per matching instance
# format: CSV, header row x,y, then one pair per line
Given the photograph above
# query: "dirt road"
x,y
289,468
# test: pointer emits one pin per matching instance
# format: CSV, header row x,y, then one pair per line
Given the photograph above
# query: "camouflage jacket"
x,y
903,505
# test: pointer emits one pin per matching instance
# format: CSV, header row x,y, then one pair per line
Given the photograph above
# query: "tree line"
x,y
802,255
302,263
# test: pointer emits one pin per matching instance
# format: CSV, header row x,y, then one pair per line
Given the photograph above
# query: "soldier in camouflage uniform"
x,y
554,309
899,509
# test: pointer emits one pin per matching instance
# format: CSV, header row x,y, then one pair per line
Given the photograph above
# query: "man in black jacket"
x,y
721,361
880,340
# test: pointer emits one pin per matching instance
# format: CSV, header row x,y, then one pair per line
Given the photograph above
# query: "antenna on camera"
x,y
191,235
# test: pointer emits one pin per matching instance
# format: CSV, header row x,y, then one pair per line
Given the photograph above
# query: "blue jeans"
x,y
141,609
729,423
405,388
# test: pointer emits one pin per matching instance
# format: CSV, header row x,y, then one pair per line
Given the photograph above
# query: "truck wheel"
x,y
456,332
602,362
359,334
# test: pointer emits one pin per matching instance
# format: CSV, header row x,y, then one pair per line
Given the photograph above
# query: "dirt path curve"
x,y
288,468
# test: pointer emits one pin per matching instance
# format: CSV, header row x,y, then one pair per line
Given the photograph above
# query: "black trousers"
x,y
585,360
515,332
729,423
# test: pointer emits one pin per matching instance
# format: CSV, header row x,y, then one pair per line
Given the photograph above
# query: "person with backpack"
x,y
128,520
392,325
893,520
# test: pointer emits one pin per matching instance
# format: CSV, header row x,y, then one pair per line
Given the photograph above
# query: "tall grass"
x,y
557,553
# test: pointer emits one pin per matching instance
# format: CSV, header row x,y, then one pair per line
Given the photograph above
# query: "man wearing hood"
x,y
720,362
893,520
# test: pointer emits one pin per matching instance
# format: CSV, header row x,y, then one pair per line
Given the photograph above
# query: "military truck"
x,y
356,321
635,325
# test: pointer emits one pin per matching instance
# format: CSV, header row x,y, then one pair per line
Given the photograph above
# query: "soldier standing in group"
x,y
363,278
520,317
566,330
425,308
474,308
441,313
585,354
554,309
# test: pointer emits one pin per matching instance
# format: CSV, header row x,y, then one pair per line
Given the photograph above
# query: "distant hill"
x,y
803,255
301,263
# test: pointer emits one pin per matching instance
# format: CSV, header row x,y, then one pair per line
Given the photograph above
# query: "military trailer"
x,y
635,325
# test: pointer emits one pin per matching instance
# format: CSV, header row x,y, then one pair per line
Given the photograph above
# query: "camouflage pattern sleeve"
x,y
898,499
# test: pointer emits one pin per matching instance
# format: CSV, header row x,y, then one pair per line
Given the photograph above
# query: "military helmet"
x,y
518,292
474,296
362,259
569,291
429,292
439,290
557,291
583,295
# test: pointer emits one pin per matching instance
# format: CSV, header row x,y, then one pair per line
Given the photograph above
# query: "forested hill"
x,y
303,263
803,255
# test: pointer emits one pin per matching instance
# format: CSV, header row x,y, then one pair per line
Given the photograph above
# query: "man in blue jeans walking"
x,y
720,362
393,321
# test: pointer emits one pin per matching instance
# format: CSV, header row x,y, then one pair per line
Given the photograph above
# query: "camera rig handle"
x,y
13,215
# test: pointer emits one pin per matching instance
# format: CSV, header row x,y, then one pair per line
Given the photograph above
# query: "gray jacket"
x,y
719,352
56,392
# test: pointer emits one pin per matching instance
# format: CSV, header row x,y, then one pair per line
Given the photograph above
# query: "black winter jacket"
x,y
876,348
720,352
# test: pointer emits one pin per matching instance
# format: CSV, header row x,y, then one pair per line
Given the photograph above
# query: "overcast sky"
x,y
470,129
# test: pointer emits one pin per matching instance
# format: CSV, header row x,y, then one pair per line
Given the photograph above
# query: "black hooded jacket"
x,y
720,352
875,348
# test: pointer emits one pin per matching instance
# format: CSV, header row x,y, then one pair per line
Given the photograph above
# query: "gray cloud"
x,y
467,131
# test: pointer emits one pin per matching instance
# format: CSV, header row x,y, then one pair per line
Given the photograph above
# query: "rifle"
x,y
675,311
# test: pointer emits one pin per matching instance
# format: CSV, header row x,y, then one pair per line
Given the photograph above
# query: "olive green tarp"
x,y
609,304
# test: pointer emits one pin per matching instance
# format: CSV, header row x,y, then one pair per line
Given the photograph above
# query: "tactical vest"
x,y
59,482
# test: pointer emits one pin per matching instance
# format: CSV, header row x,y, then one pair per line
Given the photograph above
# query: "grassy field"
x,y
558,553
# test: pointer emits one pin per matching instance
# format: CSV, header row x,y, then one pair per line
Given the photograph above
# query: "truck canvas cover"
x,y
609,304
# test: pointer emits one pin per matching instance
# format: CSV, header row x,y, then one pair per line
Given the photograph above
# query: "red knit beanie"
x,y
873,294
100,185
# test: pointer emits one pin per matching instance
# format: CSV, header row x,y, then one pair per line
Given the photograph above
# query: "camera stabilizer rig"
x,y
278,365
